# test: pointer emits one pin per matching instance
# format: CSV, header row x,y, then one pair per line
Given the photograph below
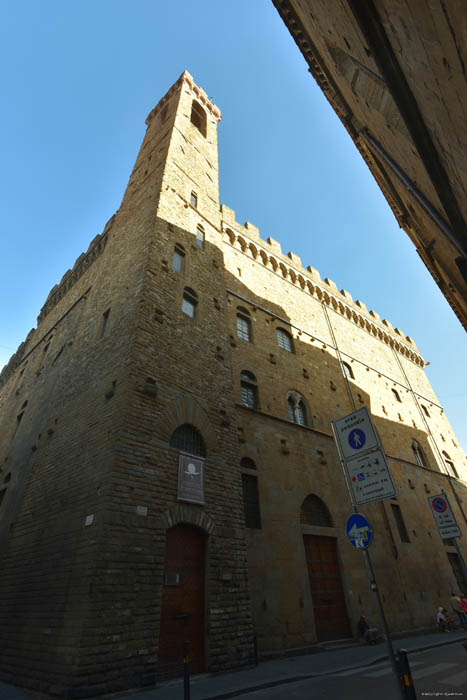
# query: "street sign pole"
x,y
373,584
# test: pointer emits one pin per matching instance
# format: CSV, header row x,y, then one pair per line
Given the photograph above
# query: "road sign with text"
x,y
356,434
444,517
370,478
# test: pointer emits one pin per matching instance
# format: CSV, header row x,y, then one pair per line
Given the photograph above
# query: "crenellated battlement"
x,y
247,238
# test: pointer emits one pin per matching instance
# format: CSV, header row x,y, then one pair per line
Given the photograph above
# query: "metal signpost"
x,y
368,479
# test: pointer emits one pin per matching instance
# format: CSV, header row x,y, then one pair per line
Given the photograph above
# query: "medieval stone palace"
x,y
168,468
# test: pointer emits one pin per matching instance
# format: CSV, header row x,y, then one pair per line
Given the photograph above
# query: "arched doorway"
x,y
327,593
182,607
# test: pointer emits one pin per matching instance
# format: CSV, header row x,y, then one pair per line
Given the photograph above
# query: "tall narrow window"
x,y
396,511
105,319
243,324
347,369
396,395
450,465
425,410
296,408
178,257
198,117
249,389
419,454
189,302
251,501
194,200
284,339
200,236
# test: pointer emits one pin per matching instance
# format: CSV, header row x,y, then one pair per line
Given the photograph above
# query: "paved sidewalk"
x,y
274,672
287,670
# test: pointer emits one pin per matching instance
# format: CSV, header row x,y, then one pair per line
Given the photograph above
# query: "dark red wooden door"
x,y
331,619
182,613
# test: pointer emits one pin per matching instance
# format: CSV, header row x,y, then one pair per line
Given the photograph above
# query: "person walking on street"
x,y
457,608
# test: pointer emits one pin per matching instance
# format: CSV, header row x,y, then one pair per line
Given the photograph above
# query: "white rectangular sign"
x,y
443,516
355,433
370,478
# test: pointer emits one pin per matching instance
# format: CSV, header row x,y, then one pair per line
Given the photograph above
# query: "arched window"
x,y
187,438
243,324
396,395
315,512
297,408
200,236
194,200
189,302
425,410
347,369
419,454
450,465
247,463
284,339
178,257
249,389
198,117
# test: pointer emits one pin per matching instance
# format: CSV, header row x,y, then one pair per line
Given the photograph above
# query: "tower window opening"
x,y
105,319
425,410
178,257
249,389
347,369
450,465
198,117
243,324
419,454
396,395
200,236
194,200
189,302
297,409
284,339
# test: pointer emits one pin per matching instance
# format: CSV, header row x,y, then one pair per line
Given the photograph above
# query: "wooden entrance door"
x,y
331,619
182,612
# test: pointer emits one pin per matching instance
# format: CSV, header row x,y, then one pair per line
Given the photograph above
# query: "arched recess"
x,y
185,409
322,563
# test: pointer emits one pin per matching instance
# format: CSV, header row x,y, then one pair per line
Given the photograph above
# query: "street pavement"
x,y
353,660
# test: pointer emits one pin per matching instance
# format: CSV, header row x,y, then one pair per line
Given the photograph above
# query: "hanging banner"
x,y
190,479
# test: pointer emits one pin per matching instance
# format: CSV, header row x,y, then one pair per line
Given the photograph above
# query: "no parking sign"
x,y
443,516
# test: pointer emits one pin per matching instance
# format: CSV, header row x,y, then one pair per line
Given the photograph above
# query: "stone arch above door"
x,y
186,515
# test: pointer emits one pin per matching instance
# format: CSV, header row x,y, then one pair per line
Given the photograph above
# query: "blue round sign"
x,y
439,504
359,531
356,439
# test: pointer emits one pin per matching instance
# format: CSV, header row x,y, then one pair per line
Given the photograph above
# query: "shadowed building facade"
x,y
168,470
394,71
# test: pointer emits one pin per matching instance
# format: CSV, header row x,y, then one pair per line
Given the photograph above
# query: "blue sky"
x,y
79,80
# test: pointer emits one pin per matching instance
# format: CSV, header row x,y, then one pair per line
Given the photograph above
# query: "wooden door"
x,y
182,611
331,619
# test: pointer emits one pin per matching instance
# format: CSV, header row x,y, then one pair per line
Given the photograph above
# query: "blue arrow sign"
x,y
359,531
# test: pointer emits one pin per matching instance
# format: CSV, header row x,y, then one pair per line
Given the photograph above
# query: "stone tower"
x,y
122,516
